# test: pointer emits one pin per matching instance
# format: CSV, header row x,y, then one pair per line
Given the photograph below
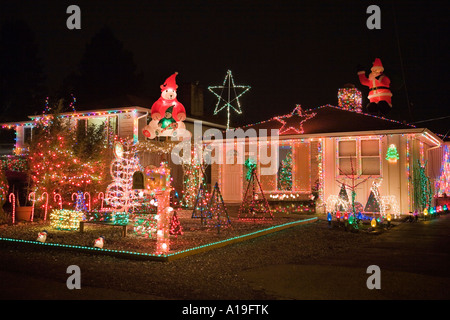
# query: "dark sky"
x,y
289,52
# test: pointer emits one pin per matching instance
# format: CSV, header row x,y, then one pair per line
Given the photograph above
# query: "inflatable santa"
x,y
380,94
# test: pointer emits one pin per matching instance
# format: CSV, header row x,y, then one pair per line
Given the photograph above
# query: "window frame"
x,y
359,157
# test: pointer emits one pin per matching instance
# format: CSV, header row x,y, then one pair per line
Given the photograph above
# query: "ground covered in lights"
x,y
194,233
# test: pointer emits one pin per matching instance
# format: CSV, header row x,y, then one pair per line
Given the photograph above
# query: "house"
x,y
125,122
321,149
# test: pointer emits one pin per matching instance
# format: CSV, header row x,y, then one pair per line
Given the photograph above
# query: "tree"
x,y
423,193
22,76
57,164
106,72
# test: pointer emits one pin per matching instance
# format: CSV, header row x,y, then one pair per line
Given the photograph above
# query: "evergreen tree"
x,y
106,73
22,77
55,163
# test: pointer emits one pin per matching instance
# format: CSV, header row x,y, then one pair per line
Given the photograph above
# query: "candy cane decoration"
x,y
103,197
13,201
57,195
89,203
76,200
46,205
32,195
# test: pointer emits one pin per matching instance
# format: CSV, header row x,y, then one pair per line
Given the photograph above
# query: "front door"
x,y
231,178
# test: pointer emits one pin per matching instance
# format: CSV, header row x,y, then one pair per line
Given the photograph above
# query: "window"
x,y
347,157
359,157
370,157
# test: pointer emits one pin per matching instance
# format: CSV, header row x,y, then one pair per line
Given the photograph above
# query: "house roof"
x,y
326,119
331,121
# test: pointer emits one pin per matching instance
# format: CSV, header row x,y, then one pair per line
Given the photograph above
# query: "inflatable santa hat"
x,y
377,65
170,83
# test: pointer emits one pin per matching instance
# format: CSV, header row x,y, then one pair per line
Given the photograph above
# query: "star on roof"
x,y
232,96
292,123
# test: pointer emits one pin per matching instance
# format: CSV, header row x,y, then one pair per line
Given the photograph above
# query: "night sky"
x,y
289,52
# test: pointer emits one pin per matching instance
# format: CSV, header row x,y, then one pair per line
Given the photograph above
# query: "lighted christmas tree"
x,y
201,200
373,204
254,204
343,196
285,173
175,225
55,161
217,211
392,154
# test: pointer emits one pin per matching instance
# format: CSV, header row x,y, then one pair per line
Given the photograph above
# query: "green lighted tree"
x,y
392,154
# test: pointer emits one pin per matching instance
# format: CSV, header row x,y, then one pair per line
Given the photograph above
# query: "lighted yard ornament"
x,y
99,242
45,205
119,194
228,95
380,94
42,236
12,200
175,225
392,154
292,123
167,114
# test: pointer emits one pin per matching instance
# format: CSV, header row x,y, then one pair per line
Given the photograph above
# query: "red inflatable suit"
x,y
380,94
168,99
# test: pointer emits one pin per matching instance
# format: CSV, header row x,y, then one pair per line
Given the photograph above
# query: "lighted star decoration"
x,y
231,100
293,122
